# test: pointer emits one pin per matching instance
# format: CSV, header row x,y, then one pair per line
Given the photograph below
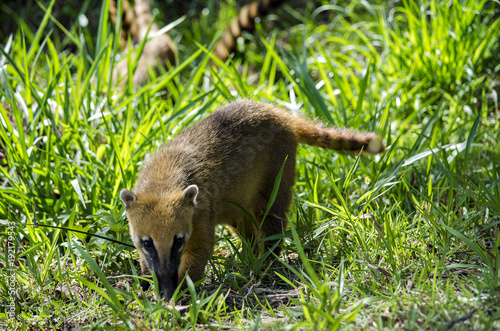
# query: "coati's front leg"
x,y
199,249
145,272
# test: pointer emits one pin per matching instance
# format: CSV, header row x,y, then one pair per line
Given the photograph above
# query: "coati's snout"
x,y
165,269
160,230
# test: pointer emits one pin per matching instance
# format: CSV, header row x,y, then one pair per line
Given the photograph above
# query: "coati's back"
x,y
239,149
229,155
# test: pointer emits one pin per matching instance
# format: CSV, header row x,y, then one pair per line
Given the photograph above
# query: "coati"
x,y
234,155
161,51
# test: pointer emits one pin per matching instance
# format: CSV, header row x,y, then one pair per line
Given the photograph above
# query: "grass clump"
x,y
405,240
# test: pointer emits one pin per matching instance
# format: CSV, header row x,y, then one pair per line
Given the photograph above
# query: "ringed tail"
x,y
341,140
245,21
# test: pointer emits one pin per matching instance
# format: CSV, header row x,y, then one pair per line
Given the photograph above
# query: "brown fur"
x,y
233,155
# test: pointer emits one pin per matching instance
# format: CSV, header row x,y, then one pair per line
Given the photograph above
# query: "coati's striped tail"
x,y
135,21
157,53
245,21
341,140
161,51
129,22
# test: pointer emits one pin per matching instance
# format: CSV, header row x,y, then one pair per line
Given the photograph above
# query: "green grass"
x,y
405,240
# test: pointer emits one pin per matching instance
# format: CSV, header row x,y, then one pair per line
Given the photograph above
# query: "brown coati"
x,y
192,184
161,50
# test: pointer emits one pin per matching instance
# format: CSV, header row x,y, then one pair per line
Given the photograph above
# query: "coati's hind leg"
x,y
246,227
274,226
276,222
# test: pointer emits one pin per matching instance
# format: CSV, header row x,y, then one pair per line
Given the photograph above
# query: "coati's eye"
x,y
178,242
147,244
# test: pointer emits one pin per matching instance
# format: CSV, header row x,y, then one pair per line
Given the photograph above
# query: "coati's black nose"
x,y
167,284
167,291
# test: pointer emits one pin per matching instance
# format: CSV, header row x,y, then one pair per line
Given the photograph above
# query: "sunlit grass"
x,y
408,239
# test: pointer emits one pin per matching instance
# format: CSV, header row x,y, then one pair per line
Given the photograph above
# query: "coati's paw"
x,y
144,284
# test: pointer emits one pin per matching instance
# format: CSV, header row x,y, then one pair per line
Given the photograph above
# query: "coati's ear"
x,y
189,195
128,197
